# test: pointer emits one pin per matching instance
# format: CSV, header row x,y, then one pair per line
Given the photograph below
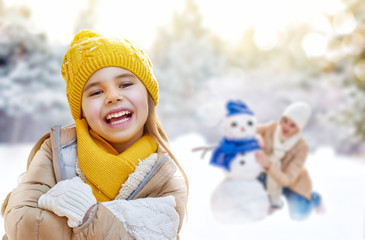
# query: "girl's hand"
x,y
70,198
263,160
147,218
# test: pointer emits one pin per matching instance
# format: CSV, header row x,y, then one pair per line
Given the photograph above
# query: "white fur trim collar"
x,y
136,178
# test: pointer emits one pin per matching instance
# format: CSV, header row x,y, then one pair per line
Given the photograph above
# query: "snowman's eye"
x,y
250,123
242,162
233,124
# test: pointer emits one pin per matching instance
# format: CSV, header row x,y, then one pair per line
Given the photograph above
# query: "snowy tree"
x,y
198,75
185,55
346,58
31,85
32,90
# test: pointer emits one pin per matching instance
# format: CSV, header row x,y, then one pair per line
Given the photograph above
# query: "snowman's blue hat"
x,y
237,107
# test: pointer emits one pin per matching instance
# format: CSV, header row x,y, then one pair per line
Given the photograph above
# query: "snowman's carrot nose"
x,y
243,129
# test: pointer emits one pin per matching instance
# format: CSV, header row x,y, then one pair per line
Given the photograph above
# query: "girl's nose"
x,y
113,97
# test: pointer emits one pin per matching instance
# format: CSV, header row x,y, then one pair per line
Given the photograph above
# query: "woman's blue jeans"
x,y
299,207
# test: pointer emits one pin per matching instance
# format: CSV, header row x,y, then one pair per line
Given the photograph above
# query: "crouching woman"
x,y
283,160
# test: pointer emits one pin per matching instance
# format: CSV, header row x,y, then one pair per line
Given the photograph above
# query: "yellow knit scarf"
x,y
105,169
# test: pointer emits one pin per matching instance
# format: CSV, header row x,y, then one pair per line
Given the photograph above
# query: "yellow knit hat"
x,y
90,52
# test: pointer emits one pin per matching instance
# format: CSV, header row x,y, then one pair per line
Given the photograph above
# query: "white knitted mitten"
x,y
70,198
147,218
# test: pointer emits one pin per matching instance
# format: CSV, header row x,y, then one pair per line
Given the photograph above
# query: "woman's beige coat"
x,y
23,219
292,173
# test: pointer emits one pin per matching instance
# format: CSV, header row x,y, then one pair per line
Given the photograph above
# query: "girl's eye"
x,y
94,93
125,85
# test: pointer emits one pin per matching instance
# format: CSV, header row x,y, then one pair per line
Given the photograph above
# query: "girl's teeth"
x,y
115,115
119,121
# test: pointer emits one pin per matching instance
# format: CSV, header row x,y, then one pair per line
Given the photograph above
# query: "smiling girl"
x,y
112,175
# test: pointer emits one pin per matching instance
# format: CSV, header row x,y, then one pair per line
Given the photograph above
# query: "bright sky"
x,y
138,20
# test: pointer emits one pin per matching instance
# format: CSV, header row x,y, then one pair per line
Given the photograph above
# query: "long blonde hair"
x,y
154,128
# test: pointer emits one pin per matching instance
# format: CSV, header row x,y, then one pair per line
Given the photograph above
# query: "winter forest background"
x,y
321,62
266,53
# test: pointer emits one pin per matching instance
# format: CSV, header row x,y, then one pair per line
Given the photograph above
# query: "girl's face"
x,y
115,105
288,127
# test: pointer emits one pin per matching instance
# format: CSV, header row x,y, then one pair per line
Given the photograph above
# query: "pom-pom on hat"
x,y
298,112
237,107
90,52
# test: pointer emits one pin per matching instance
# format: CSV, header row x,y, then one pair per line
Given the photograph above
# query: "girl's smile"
x,y
118,117
115,106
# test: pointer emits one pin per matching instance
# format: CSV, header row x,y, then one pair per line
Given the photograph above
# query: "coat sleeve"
x,y
101,224
263,135
262,129
176,187
288,176
169,182
23,219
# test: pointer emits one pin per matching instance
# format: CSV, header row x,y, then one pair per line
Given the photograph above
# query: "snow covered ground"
x,y
339,179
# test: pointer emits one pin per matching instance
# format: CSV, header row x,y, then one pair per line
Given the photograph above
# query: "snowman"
x,y
240,197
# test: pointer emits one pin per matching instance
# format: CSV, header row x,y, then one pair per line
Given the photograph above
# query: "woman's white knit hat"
x,y
298,112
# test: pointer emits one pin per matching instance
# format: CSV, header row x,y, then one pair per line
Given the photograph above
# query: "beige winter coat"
x,y
292,173
24,220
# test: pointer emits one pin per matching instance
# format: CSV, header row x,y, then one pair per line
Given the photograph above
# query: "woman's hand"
x,y
70,198
263,160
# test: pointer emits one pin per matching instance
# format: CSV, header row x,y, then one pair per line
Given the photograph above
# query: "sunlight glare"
x,y
331,7
231,18
322,24
353,44
359,70
314,44
265,39
344,23
140,20
56,18
135,20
